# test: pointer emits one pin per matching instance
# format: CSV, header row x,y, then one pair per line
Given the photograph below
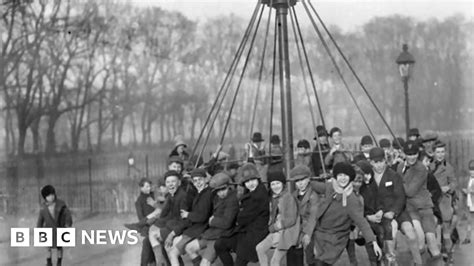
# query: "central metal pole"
x,y
285,86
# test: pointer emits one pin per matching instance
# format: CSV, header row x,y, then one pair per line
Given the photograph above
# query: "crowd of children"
x,y
331,199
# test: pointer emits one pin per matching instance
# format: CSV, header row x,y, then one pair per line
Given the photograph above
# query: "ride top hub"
x,y
279,3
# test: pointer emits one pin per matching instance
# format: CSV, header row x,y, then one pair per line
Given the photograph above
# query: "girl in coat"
x,y
339,209
251,225
284,224
53,214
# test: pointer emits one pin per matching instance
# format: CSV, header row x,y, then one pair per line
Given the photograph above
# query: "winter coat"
x,y
307,206
389,195
334,223
62,217
224,212
415,184
285,219
252,222
143,209
444,173
199,215
170,216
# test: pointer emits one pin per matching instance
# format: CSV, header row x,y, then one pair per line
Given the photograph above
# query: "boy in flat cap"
x,y
419,204
307,200
389,196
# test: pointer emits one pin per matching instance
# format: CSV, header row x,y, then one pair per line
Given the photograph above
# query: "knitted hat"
x,y
276,176
366,140
365,167
377,154
344,168
247,172
47,190
219,181
303,144
299,172
384,143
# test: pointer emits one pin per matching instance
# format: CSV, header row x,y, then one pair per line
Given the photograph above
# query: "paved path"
x,y
128,255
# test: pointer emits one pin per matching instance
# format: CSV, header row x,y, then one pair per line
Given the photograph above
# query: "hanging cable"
x,y
293,19
272,98
232,66
227,85
311,77
261,68
313,119
351,68
338,70
241,77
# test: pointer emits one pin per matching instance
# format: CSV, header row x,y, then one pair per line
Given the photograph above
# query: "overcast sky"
x,y
347,14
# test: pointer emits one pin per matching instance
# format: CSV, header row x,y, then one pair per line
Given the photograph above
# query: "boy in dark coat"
x,y
53,214
195,219
418,203
252,221
146,214
224,211
164,229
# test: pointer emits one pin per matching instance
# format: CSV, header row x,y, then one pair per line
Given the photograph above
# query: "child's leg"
x,y
192,248
48,257
277,256
262,249
60,256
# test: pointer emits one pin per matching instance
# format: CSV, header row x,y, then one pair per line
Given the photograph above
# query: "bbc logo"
x,y
43,237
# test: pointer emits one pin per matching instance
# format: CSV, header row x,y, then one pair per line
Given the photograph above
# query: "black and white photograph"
x,y
236,132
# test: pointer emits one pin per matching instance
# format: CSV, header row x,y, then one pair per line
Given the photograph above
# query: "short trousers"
x,y
426,218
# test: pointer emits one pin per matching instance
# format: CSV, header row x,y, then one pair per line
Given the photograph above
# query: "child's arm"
x,y
68,217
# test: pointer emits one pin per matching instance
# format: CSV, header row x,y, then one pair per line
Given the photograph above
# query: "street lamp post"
x,y
405,63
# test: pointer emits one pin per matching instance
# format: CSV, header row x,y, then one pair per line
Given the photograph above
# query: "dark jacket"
x,y
62,217
143,209
415,184
389,195
334,223
224,212
252,222
199,215
171,214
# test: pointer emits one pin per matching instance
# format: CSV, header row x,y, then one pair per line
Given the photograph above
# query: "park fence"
x,y
91,183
